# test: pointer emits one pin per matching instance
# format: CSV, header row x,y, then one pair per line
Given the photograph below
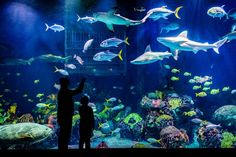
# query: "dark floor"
x,y
123,152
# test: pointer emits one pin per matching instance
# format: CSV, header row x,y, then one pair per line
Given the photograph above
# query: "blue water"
x,y
23,35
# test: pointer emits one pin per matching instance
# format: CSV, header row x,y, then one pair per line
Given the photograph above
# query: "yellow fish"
x,y
39,95
201,94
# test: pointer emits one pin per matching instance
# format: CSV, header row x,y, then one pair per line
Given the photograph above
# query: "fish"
x,y
217,12
103,125
170,27
166,66
61,71
15,62
55,27
192,81
162,12
175,70
118,107
36,81
107,56
86,19
211,126
113,42
153,140
206,88
30,100
201,94
110,18
173,78
42,105
225,89
187,74
18,74
53,58
199,79
117,87
196,120
112,99
197,87
7,90
150,57
139,9
79,59
215,91
208,83
39,95
230,36
57,86
182,43
1,95
131,87
87,45
25,95
233,91
70,66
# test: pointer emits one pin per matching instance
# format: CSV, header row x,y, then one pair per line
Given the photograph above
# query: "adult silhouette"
x,y
66,110
86,123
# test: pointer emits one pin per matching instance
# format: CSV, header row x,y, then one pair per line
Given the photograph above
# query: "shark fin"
x,y
110,27
175,54
183,34
165,6
195,51
218,44
112,11
222,6
148,49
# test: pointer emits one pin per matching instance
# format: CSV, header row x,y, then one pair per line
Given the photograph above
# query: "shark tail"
x,y
30,60
177,12
119,55
126,41
47,27
78,18
218,44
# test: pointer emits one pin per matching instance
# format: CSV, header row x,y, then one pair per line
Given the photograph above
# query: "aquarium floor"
x,y
124,152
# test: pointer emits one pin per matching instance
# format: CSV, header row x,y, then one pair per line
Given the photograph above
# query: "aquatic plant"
x,y
135,116
228,140
175,103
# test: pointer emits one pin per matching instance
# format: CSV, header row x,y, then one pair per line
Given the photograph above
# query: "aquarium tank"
x,y
159,73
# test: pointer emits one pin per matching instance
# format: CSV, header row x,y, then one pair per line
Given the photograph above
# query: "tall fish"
x,y
113,42
162,12
110,18
87,45
106,56
182,43
217,12
149,56
55,27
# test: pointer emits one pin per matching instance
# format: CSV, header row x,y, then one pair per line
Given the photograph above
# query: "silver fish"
x,y
55,27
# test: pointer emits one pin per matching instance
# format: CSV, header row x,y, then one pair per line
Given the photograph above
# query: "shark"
x,y
110,18
150,57
182,43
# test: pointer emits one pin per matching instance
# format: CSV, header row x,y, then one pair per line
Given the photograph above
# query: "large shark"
x,y
182,43
149,56
110,18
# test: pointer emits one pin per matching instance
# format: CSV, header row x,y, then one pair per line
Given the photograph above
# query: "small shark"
x,y
150,57
182,43
15,61
110,19
53,58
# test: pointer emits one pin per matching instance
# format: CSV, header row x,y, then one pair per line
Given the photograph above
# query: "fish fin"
x,y
165,6
112,11
218,44
196,94
175,54
126,41
177,12
223,6
167,31
183,34
107,100
56,69
110,27
78,18
161,30
47,27
164,17
148,48
195,51
119,55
